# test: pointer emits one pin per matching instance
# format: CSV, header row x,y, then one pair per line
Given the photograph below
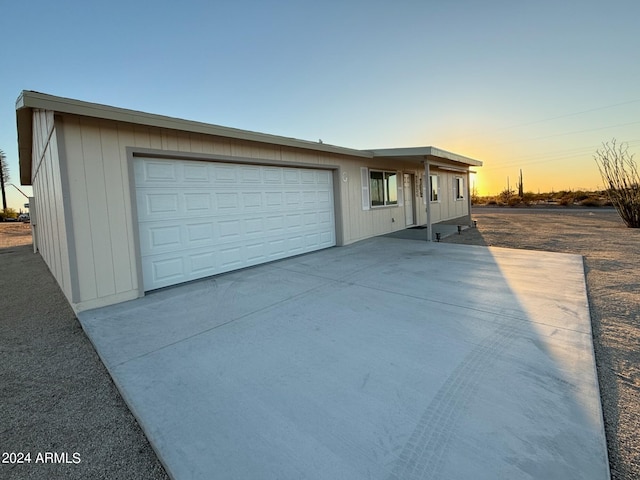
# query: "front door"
x,y
409,214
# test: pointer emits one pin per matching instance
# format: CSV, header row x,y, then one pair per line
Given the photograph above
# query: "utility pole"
x,y
4,196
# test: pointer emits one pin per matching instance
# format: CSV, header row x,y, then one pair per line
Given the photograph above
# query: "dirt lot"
x,y
57,396
13,234
611,252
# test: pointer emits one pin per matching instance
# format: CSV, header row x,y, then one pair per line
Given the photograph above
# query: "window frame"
x,y
437,189
458,193
387,197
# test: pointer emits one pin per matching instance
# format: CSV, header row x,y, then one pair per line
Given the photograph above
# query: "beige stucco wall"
x,y
101,210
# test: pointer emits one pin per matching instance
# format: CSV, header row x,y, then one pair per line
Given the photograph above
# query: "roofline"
x,y
29,100
424,153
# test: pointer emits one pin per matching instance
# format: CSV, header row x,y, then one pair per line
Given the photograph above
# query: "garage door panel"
x,y
202,264
198,173
294,221
256,253
309,177
160,204
199,233
249,174
296,245
165,237
167,269
327,239
157,172
225,173
196,203
272,175
254,226
274,200
227,201
324,178
291,176
201,218
251,200
274,224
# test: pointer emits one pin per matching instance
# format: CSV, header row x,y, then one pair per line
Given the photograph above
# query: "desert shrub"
x,y
513,201
492,201
528,198
620,174
580,196
8,213
590,202
565,200
505,196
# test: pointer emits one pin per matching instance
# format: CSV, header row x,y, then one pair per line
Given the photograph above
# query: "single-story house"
x,y
126,202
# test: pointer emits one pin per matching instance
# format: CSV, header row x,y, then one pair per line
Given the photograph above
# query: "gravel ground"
x,y
611,252
56,395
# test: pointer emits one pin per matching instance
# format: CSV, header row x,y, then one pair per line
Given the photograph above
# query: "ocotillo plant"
x,y
620,174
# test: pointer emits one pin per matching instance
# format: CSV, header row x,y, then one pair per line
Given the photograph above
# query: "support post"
x,y
470,223
427,188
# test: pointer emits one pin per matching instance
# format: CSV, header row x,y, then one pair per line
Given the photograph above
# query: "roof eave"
x,y
425,153
77,107
24,119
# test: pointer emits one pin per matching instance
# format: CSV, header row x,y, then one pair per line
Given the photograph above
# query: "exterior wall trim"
x,y
135,152
66,206
47,141
213,157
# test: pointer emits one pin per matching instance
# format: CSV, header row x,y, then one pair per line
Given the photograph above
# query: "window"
x,y
434,185
458,188
383,188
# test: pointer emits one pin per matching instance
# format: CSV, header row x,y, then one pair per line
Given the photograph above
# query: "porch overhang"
x,y
435,156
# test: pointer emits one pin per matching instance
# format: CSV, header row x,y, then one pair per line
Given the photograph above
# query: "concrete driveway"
x,y
386,359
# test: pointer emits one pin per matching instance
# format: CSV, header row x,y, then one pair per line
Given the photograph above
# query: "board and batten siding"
x,y
448,207
101,209
100,213
380,220
95,156
48,198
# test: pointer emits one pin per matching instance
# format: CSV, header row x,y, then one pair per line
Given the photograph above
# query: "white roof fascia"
x,y
425,152
36,100
449,169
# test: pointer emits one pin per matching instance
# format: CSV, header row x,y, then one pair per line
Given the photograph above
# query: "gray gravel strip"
x,y
56,397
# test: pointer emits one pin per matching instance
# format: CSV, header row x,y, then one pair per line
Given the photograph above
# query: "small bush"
x,y
528,198
590,202
8,213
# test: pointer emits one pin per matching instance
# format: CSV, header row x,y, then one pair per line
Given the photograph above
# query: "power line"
x,y
549,119
568,153
547,157
569,133
568,115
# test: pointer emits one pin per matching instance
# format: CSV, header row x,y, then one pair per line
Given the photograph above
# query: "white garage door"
x,y
203,218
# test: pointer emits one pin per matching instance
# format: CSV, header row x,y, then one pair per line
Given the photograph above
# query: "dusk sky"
x,y
535,85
